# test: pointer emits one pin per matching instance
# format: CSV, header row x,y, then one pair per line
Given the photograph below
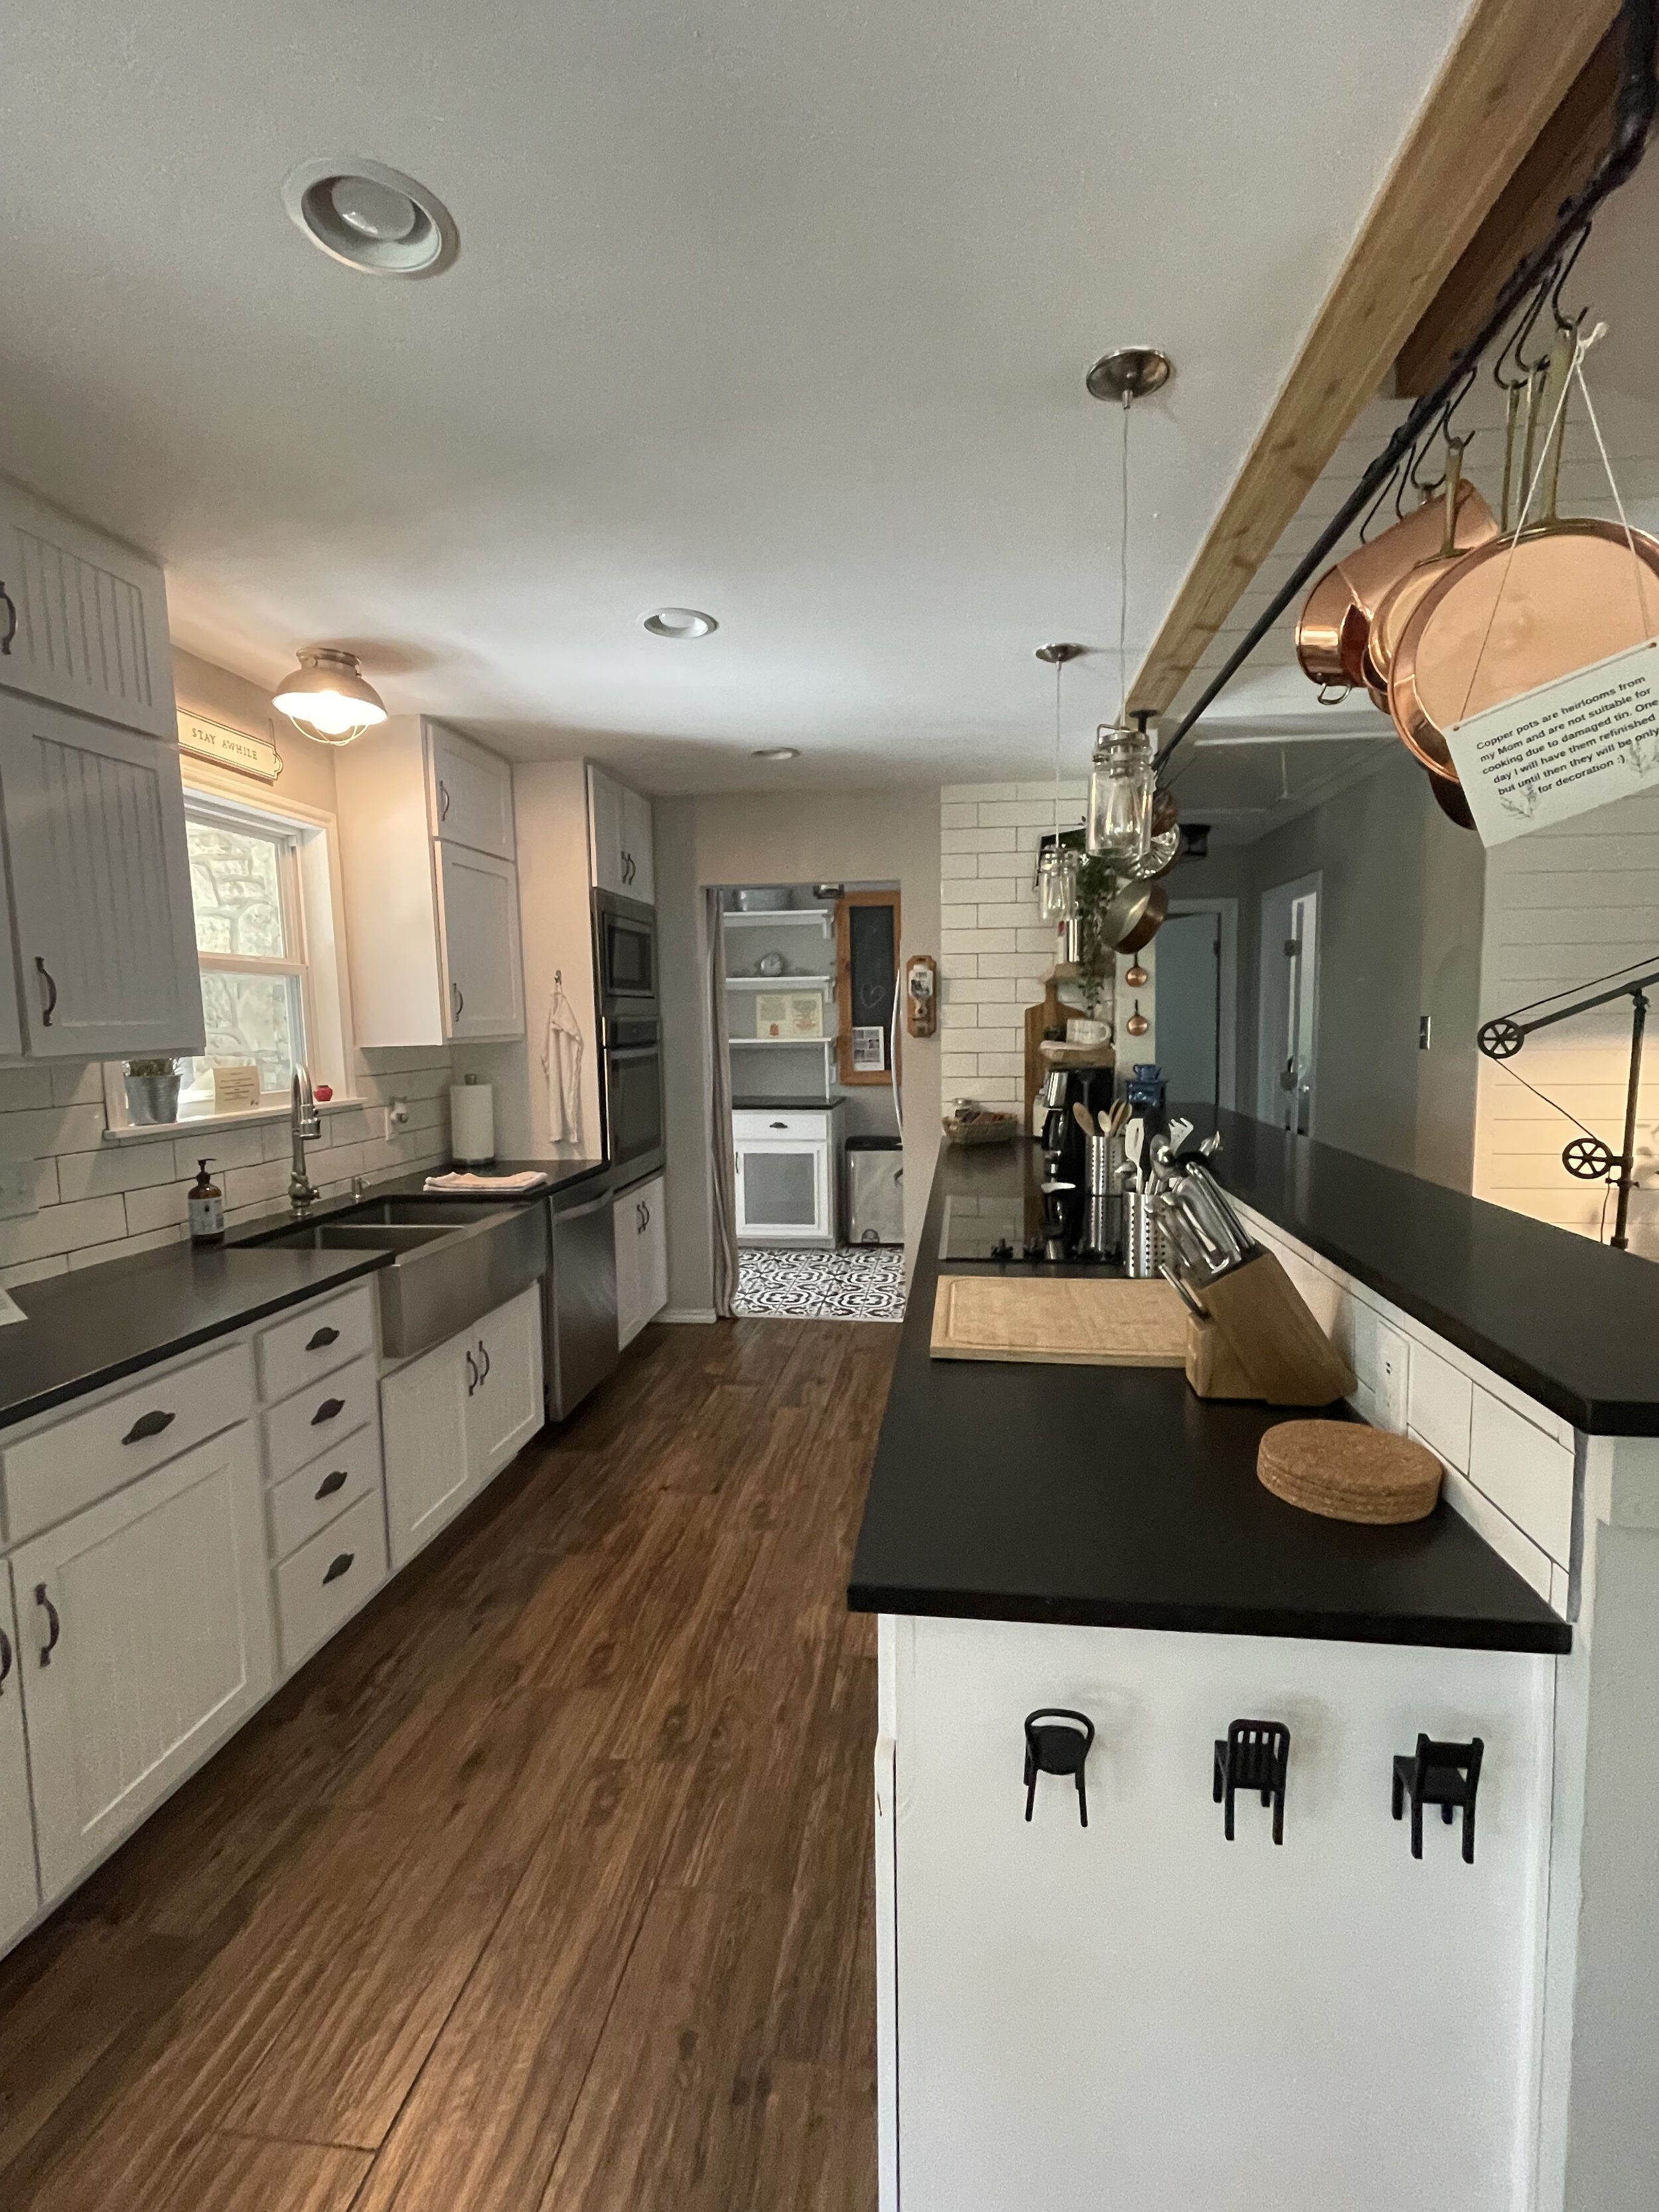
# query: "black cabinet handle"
x,y
335,1479
49,993
10,606
647,1213
483,1361
471,1375
148,1426
54,1625
455,993
443,801
323,1336
5,1657
777,1124
327,1411
338,1567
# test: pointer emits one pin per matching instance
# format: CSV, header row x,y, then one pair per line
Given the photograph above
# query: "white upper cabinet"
x,y
619,830
432,922
100,887
469,794
83,620
482,970
20,1896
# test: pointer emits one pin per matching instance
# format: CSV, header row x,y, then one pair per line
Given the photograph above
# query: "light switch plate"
x,y
1393,1365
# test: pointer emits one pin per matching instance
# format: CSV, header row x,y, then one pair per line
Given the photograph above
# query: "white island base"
x,y
1140,2015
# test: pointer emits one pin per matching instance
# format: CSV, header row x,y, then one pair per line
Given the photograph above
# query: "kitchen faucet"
x,y
306,1123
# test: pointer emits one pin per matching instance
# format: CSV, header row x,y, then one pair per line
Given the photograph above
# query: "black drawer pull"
x,y
326,1411
5,1657
330,1482
324,1336
53,1625
338,1567
148,1426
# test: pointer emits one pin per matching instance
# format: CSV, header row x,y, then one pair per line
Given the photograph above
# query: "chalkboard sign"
x,y
867,949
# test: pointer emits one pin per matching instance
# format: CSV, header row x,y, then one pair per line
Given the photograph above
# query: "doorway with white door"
x,y
1288,1019
1197,968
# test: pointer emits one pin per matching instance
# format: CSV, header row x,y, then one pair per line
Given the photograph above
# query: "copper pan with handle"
x,y
1330,636
1522,611
1403,598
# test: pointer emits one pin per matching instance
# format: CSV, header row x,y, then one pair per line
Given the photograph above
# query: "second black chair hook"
x,y
1057,1741
1254,1755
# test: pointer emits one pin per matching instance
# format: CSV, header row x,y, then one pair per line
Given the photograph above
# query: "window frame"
x,y
313,926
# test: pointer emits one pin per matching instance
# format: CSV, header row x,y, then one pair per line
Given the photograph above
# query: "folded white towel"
x,y
459,1183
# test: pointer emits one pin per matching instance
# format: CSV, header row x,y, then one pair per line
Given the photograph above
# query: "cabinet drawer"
x,y
304,1426
315,1341
330,1579
60,1469
750,1126
1526,1474
305,1502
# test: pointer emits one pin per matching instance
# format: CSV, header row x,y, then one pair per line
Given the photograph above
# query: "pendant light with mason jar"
x,y
1122,781
1058,863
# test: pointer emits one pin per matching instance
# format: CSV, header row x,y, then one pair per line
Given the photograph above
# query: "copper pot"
x,y
1134,915
1336,622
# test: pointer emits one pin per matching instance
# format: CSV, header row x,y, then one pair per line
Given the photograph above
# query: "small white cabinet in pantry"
x,y
146,1638
452,1417
432,921
20,1895
640,1220
619,825
786,1186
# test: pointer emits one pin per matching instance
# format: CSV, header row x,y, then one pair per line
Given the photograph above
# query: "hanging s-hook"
x,y
1563,320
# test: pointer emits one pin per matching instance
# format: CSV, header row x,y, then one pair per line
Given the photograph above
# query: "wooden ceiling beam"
x,y
1512,66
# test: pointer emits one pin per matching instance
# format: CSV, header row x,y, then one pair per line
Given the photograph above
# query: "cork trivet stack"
x,y
1348,1472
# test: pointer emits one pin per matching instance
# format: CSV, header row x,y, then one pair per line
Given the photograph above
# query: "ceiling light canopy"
x,y
326,697
776,752
679,622
371,217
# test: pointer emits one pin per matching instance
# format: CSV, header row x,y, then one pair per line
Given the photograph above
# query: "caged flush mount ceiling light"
x,y
327,698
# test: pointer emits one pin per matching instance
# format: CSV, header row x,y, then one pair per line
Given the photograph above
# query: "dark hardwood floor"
x,y
547,1886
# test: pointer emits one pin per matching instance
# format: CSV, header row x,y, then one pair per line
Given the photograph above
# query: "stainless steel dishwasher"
x,y
579,1296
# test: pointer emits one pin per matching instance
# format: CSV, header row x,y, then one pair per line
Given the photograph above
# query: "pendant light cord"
x,y
1058,665
1123,579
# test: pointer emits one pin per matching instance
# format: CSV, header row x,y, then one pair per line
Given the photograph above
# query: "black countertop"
x,y
96,1325
1573,1324
1114,1497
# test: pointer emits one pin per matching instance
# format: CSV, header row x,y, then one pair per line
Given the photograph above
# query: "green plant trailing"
x,y
1097,883
150,1067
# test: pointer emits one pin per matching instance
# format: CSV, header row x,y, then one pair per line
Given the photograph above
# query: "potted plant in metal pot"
x,y
152,1089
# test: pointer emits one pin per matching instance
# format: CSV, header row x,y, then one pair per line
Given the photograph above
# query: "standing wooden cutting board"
x,y
1059,1320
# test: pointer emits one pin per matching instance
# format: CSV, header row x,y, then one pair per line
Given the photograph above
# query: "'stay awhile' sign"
x,y
216,741
1569,746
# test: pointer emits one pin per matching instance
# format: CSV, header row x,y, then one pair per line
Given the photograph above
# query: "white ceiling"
x,y
776,310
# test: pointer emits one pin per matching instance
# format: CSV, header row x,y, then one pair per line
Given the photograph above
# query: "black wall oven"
x,y
631,1092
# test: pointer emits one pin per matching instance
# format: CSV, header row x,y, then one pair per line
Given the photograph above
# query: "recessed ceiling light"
x,y
776,752
679,622
371,217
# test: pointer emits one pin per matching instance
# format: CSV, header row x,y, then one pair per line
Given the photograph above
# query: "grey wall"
x,y
1399,931
889,836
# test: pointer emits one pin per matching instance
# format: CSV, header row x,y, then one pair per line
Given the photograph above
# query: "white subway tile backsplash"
x,y
958,814
160,1206
1018,814
62,1229
951,865
976,841
21,1088
74,1085
112,1167
31,1271
953,793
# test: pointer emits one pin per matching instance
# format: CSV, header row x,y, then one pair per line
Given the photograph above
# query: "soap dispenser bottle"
x,y
207,1210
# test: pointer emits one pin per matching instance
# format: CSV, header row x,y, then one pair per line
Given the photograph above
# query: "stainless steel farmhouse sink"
x,y
452,1261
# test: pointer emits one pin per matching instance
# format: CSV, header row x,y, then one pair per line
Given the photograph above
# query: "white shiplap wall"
x,y
95,1200
1564,905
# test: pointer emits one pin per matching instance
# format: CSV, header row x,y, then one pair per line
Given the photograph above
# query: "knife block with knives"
x,y
1249,1334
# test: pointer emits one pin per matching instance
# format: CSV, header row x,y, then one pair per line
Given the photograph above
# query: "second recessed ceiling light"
x,y
679,622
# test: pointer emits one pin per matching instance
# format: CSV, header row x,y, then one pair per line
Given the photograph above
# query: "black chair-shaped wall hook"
x,y
1443,1774
1057,1741
1254,1755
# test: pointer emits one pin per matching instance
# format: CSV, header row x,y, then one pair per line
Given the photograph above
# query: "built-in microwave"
x,y
624,952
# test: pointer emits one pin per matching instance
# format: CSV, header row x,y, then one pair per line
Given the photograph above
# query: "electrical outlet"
x,y
17,1189
1393,1355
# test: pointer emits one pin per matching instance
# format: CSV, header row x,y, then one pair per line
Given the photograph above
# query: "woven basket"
x,y
983,1129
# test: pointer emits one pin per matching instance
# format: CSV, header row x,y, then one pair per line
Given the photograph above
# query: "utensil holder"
x,y
1145,1247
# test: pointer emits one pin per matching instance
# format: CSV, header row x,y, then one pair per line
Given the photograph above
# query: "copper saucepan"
x,y
1468,523
1330,636
1498,622
1134,915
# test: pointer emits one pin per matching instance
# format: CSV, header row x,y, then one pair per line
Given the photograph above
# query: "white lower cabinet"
x,y
19,1894
145,1631
783,1165
1140,2013
328,1579
453,1418
640,1227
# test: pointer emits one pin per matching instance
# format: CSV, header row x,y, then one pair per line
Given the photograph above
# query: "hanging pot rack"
x,y
1542,272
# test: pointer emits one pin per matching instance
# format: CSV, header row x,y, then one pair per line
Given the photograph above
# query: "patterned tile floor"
x,y
860,1282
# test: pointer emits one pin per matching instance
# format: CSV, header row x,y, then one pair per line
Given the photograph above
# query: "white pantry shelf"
x,y
776,982
821,914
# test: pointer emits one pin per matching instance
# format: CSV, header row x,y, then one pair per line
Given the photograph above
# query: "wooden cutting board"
x,y
1058,1320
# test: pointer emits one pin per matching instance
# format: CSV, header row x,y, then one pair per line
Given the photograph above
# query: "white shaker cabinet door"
x,y
83,620
423,1433
630,1311
504,1406
471,794
653,1251
146,1634
101,883
19,1894
484,973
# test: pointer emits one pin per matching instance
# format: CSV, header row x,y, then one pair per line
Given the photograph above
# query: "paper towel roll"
x,y
473,1123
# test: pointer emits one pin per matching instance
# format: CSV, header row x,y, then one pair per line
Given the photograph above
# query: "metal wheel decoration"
x,y
1588,1159
1502,1039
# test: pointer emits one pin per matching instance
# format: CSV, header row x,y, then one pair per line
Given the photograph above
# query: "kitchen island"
x,y
1138,2011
